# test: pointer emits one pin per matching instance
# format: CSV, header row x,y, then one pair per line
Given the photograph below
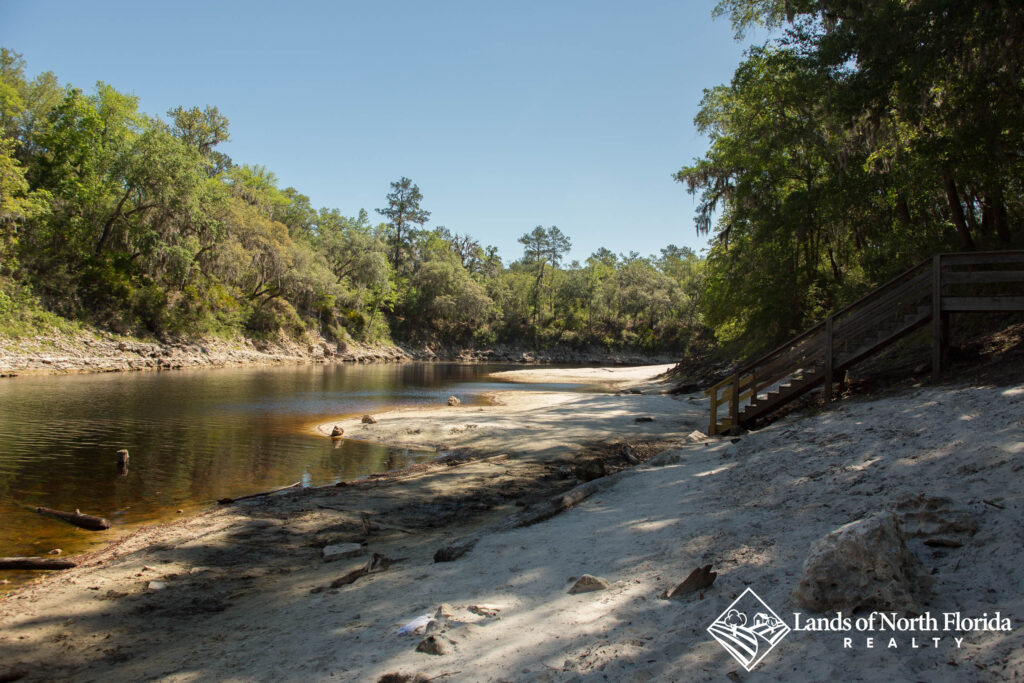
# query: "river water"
x,y
194,436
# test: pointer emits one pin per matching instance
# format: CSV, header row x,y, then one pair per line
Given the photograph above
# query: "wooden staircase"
x,y
928,292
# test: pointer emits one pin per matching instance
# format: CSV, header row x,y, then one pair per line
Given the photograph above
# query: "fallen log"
x,y
76,518
35,563
369,526
226,501
543,510
374,565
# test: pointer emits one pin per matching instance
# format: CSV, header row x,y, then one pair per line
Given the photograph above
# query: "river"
x,y
194,436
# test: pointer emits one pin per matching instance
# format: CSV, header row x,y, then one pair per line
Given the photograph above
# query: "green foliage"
x,y
142,226
866,138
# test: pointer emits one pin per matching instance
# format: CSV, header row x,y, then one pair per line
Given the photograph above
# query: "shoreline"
x,y
87,353
469,489
242,592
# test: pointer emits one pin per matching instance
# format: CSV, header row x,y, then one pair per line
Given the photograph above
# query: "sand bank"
x,y
241,592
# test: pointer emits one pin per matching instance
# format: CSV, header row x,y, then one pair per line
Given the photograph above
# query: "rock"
x,y
453,401
340,550
864,565
484,610
589,470
939,522
337,432
696,436
435,644
635,391
645,418
156,585
444,611
698,579
588,583
369,420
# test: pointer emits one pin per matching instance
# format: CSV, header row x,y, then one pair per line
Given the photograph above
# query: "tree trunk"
x,y
957,210
999,217
109,225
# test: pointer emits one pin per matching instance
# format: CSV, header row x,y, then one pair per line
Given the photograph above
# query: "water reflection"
x,y
193,437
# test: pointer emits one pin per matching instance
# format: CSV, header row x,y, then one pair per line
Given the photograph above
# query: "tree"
x,y
543,247
17,204
203,129
403,212
866,137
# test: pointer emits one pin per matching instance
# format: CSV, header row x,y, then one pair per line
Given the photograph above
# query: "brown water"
x,y
194,436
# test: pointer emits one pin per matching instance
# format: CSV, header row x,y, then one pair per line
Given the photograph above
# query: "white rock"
x,y
864,565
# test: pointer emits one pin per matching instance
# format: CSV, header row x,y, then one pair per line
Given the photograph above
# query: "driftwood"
x,y
90,522
374,565
535,513
35,563
699,578
227,501
369,526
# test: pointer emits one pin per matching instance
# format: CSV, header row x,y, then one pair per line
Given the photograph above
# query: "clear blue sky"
x,y
507,116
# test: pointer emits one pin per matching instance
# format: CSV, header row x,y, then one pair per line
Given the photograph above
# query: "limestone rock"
x,y
435,644
340,550
588,583
864,565
369,420
936,521
453,401
696,436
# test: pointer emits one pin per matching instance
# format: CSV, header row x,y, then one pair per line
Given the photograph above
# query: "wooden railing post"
x,y
734,404
828,359
713,424
938,319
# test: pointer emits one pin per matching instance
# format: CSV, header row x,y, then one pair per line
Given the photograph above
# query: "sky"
x,y
507,116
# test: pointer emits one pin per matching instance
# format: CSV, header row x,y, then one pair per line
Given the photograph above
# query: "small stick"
x,y
225,501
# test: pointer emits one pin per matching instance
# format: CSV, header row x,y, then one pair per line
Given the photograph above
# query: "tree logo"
x,y
748,629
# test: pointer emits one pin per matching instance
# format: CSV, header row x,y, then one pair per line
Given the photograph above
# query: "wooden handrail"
x,y
891,301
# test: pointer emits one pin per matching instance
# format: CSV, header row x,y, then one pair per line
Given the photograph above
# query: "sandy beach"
x,y
242,592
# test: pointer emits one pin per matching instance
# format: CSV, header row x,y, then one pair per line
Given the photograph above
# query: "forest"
x,y
861,139
857,140
140,225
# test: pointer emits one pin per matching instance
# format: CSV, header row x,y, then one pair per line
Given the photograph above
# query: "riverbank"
x,y
242,591
93,351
